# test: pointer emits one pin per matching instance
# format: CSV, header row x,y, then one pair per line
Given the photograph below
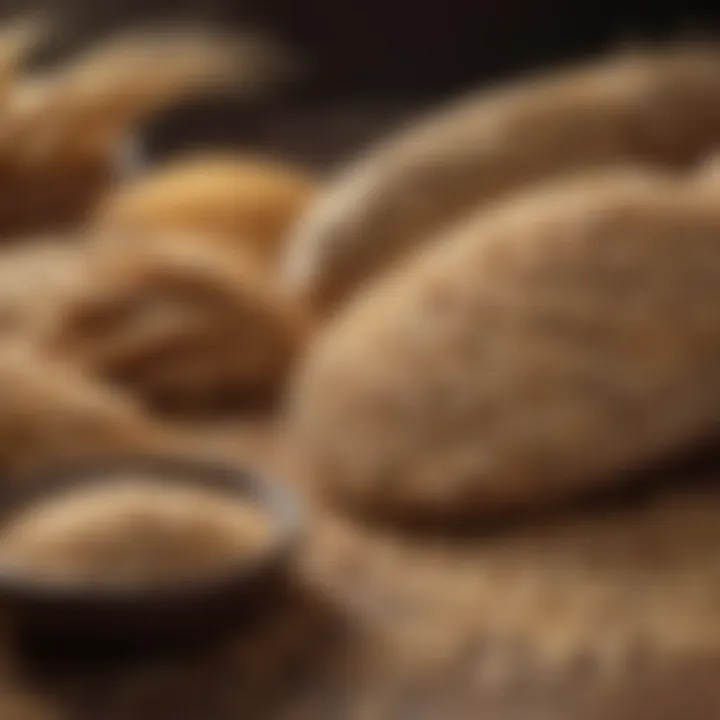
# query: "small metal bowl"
x,y
91,616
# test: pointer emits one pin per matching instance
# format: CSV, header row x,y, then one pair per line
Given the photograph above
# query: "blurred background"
x,y
374,62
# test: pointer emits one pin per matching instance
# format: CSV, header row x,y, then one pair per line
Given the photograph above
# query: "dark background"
x,y
375,62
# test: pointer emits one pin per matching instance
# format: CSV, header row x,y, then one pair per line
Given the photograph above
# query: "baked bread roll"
x,y
237,201
180,325
63,131
52,412
659,106
537,352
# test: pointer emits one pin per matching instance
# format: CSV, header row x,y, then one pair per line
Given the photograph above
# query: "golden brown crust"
x,y
180,325
62,130
33,275
83,108
52,412
657,106
536,352
238,201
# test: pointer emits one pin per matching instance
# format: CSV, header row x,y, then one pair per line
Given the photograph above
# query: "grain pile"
x,y
133,532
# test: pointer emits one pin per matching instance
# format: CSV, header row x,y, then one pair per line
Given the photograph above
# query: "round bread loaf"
x,y
658,106
536,352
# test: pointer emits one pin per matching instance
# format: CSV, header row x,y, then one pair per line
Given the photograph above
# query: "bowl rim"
x,y
129,157
238,481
